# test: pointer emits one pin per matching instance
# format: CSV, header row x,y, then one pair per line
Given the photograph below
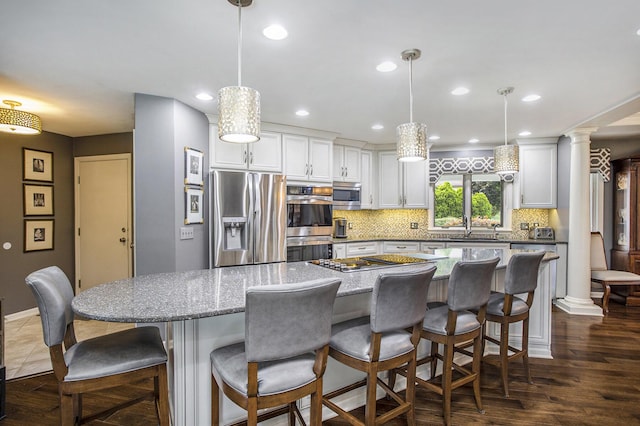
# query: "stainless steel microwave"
x,y
346,195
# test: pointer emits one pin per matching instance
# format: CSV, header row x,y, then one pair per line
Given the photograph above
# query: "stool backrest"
x,y
598,258
53,293
285,320
399,300
470,284
522,272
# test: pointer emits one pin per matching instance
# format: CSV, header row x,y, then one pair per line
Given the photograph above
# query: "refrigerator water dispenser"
x,y
235,233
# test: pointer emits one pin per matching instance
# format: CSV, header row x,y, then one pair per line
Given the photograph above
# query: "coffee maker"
x,y
340,227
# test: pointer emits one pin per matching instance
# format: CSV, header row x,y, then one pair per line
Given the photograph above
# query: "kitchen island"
x,y
202,310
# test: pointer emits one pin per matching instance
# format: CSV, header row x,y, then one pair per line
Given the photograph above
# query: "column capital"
x,y
581,134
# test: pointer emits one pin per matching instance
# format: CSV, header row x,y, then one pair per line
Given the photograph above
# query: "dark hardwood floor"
x,y
593,379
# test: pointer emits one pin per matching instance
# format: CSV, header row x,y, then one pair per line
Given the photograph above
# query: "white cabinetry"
x,y
307,159
538,176
401,185
346,163
400,246
339,250
431,247
264,155
366,180
366,248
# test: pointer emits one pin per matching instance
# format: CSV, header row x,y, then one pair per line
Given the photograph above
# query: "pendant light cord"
x,y
239,43
411,89
505,119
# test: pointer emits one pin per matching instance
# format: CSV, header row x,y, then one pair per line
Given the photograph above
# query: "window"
x,y
479,197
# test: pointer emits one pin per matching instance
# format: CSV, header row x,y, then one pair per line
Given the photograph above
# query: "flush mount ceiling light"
x,y
412,137
19,122
275,32
386,66
505,157
459,91
238,106
531,98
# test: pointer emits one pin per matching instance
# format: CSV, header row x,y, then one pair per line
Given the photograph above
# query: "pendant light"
x,y
19,122
505,157
238,106
412,137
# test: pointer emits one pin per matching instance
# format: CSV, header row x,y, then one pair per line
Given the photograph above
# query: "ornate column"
x,y
578,299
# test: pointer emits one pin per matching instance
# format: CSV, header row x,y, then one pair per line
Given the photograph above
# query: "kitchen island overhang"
x,y
204,309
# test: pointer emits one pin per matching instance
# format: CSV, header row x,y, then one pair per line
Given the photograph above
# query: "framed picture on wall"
x,y
193,198
193,166
38,200
37,165
38,234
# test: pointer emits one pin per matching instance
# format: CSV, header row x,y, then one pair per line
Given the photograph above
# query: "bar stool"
x,y
454,324
284,355
381,342
506,308
95,364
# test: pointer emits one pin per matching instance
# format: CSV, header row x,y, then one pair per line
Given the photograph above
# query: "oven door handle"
x,y
306,241
310,200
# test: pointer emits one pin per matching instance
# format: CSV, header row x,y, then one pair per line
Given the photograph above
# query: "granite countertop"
x,y
475,239
188,295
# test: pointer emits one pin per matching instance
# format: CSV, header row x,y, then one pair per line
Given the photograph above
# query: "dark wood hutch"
x,y
625,254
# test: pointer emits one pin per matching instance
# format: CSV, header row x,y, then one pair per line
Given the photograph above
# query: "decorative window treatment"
x,y
600,161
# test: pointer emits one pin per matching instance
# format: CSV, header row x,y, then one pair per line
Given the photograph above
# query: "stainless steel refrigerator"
x,y
249,218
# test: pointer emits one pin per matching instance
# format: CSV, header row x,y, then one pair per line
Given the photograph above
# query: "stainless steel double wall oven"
x,y
309,222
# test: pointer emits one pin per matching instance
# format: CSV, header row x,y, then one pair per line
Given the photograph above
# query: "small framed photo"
x,y
193,166
38,200
37,165
38,235
193,198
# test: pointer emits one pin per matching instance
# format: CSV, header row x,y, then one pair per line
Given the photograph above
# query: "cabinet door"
x,y
415,185
400,246
338,166
226,155
296,157
351,164
266,154
431,247
389,196
538,176
320,160
339,251
366,179
362,249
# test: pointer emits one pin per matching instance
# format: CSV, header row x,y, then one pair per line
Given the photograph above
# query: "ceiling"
x,y
77,64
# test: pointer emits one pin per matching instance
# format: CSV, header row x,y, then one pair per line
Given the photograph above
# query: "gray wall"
x,y
116,143
163,127
560,223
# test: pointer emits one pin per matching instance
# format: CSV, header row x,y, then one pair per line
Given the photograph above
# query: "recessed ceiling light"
x,y
524,133
275,32
204,96
434,137
377,127
459,91
531,98
302,113
638,32
386,66
474,140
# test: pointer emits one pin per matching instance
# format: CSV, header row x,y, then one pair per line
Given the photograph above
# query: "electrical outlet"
x,y
524,226
536,224
186,233
349,225
414,225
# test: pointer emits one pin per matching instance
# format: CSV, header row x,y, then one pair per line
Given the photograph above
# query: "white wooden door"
x,y
351,164
389,170
103,219
415,185
266,154
296,157
320,160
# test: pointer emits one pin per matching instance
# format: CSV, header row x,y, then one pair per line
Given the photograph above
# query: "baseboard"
x,y
22,314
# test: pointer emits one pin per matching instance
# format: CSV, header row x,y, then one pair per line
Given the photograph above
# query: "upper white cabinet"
x,y
401,185
264,155
538,176
367,188
307,159
346,163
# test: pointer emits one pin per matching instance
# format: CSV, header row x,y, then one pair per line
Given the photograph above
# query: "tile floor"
x,y
25,352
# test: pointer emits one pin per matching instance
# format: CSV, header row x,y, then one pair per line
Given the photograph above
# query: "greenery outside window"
x,y
479,198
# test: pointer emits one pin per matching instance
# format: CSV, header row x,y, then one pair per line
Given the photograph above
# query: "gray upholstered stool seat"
x,y
283,356
521,277
115,353
95,364
273,376
457,323
381,342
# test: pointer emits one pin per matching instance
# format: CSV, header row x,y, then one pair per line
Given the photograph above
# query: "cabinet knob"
x,y
311,170
244,157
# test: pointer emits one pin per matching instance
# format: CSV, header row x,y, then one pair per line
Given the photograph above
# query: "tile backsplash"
x,y
396,223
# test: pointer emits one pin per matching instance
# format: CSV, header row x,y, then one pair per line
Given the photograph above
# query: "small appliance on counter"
x,y
340,227
541,233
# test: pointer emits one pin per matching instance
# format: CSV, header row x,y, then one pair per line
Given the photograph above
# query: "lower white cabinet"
x,y
339,250
367,248
431,247
400,246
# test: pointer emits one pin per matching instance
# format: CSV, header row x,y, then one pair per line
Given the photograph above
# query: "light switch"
x,y
186,233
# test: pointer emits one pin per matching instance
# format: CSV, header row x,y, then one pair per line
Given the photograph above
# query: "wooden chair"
x,y
506,308
284,355
455,324
604,276
95,364
381,342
